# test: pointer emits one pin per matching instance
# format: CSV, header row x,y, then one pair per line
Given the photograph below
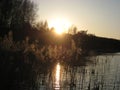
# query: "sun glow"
x,y
60,25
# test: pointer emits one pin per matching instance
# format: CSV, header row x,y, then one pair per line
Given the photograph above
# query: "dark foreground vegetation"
x,y
28,48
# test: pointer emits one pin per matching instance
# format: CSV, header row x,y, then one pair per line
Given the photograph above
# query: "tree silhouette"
x,y
14,14
72,30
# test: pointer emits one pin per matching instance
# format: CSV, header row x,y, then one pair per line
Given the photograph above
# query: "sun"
x,y
60,25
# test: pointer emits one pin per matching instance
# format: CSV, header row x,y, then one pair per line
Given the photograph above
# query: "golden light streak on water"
x,y
57,77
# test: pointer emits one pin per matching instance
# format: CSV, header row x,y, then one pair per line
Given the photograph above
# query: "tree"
x,y
72,30
42,26
23,14
15,13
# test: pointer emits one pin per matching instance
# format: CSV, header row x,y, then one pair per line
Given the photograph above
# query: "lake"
x,y
101,72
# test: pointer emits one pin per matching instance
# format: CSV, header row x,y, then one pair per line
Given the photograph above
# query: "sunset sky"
x,y
99,17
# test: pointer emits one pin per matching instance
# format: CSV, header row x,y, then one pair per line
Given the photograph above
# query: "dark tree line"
x,y
91,43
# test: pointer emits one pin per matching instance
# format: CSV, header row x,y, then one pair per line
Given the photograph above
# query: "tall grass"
x,y
23,61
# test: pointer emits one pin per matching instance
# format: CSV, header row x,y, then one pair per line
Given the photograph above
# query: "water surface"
x,y
101,73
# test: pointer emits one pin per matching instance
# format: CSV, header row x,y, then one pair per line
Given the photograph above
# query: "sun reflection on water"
x,y
57,77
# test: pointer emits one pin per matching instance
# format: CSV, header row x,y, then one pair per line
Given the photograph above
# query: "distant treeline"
x,y
90,43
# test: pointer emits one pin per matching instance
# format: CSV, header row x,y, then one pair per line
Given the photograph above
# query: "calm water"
x,y
102,73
